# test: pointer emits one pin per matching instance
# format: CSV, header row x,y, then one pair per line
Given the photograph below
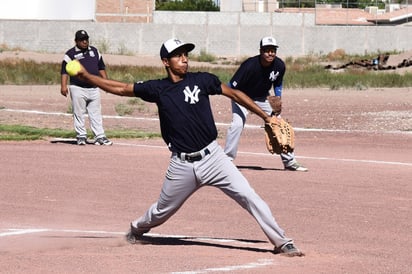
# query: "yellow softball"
x,y
73,67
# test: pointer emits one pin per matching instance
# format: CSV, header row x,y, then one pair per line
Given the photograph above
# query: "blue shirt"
x,y
91,59
186,119
255,80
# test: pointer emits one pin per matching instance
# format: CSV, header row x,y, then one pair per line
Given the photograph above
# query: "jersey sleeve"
x,y
239,76
281,67
214,84
66,58
244,74
100,63
63,68
148,91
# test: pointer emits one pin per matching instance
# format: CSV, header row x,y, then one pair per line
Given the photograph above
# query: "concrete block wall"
x,y
228,34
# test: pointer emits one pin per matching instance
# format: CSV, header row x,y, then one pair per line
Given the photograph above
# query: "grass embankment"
x,y
305,72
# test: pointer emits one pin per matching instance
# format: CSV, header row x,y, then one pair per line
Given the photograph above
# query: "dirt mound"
x,y
399,63
396,59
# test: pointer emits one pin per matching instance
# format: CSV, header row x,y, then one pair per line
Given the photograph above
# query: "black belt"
x,y
193,157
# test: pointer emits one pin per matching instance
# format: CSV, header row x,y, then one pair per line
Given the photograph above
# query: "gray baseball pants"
x,y
86,100
238,123
183,178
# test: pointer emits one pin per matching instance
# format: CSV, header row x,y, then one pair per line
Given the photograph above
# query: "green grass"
x,y
28,133
304,72
22,72
20,132
204,57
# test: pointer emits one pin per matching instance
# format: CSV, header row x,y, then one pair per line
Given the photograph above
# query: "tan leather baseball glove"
x,y
279,136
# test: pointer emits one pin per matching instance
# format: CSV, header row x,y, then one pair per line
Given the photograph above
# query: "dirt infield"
x,y
65,209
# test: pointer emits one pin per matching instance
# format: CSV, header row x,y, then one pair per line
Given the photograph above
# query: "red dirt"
x,y
350,213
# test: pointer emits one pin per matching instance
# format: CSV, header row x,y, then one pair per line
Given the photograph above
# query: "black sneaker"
x,y
134,236
288,249
103,141
296,167
81,141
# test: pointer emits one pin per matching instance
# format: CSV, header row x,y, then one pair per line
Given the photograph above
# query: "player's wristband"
x,y
278,90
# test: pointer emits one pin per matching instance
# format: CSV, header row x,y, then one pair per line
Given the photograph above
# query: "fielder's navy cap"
x,y
268,42
81,35
173,44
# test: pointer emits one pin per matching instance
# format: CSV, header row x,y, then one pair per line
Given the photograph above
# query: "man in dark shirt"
x,y
85,97
256,77
189,130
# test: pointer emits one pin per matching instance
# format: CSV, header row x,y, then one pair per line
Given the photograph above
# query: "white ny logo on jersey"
x,y
273,76
193,95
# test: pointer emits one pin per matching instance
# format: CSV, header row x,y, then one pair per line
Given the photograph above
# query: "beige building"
x,y
249,5
141,10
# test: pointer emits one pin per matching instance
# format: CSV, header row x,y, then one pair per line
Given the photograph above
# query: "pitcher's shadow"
x,y
164,240
240,167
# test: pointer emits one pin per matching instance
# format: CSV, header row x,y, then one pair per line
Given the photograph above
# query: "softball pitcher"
x,y
188,129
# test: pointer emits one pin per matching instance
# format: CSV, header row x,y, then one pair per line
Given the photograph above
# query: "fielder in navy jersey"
x,y
85,97
189,130
256,77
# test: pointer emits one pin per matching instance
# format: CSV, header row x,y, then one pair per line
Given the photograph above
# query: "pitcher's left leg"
x,y
179,184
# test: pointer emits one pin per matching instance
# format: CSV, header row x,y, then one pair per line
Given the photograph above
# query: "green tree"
x,y
186,5
355,4
297,3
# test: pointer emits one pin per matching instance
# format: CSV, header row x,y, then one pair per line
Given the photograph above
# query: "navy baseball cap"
x,y
173,44
81,35
268,42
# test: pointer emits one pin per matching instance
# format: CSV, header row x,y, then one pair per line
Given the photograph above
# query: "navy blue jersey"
x,y
185,114
91,59
255,80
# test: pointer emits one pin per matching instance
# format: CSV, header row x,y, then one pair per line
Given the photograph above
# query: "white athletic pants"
x,y
216,169
236,127
86,100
